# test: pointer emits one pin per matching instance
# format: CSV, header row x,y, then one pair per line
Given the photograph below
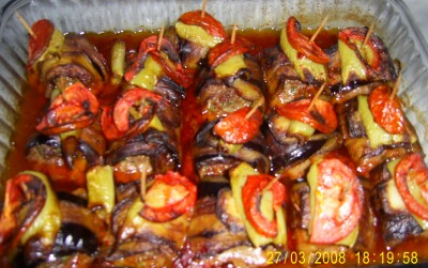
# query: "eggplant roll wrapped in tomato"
x,y
67,156
299,123
41,229
231,98
329,209
299,129
197,34
238,223
55,58
400,198
375,129
150,229
360,65
144,123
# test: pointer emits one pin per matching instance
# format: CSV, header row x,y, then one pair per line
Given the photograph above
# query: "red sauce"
x,y
34,102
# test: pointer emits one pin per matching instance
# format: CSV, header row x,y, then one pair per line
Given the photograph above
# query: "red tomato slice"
x,y
412,168
386,112
303,44
25,198
222,52
43,31
251,194
322,116
208,23
109,128
178,197
121,112
353,39
173,70
75,108
338,202
234,128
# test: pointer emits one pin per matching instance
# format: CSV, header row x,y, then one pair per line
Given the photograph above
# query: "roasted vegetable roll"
x,y
221,233
150,228
144,123
231,99
67,156
375,129
400,198
54,57
297,129
330,212
198,32
41,229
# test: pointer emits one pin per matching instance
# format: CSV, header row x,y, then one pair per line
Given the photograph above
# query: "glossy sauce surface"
x,y
34,102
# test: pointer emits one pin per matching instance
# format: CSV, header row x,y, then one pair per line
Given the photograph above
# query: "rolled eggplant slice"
x,y
360,147
197,35
66,158
152,232
47,230
291,156
304,196
214,157
217,236
156,145
397,221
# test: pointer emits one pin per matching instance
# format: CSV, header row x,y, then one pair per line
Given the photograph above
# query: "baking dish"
x,y
392,22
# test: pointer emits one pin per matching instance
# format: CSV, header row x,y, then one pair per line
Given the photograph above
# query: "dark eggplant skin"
x,y
396,224
300,216
213,158
356,142
79,44
217,239
153,143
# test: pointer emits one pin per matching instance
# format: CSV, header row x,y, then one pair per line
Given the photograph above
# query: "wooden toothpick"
x,y
160,37
204,7
317,96
254,109
267,187
318,30
143,183
395,89
25,24
369,32
233,35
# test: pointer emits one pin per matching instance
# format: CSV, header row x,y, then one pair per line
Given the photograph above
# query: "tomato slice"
x,y
353,39
173,70
75,108
412,169
222,52
322,116
136,98
251,195
302,43
338,202
386,112
110,131
208,23
43,31
170,196
25,198
235,128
